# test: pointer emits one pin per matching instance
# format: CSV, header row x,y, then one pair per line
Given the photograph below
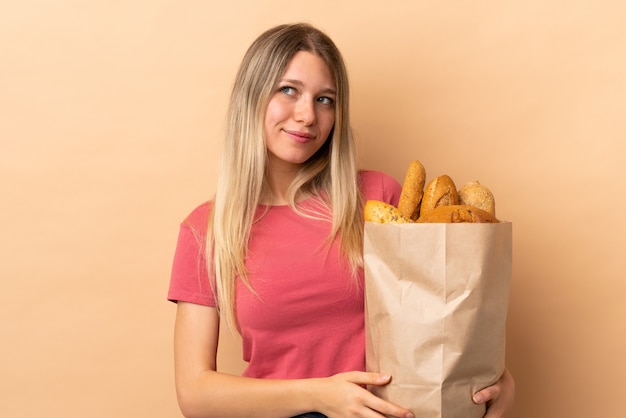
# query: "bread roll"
x,y
412,190
384,213
476,195
440,191
456,214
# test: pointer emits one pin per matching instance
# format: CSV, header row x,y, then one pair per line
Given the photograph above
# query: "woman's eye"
x,y
325,100
288,90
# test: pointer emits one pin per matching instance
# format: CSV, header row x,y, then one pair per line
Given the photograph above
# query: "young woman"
x,y
277,253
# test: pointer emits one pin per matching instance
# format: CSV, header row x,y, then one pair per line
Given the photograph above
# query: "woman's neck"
x,y
278,181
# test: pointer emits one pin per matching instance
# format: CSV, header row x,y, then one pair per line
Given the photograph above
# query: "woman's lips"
x,y
300,137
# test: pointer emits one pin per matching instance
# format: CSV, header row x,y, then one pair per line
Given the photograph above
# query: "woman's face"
x,y
301,111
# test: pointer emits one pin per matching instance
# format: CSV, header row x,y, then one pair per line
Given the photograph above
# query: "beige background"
x,y
111,114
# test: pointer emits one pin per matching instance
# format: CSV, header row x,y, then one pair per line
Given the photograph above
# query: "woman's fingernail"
x,y
478,398
409,415
384,377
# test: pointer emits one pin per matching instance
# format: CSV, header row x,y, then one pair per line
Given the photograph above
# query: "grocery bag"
x,y
436,304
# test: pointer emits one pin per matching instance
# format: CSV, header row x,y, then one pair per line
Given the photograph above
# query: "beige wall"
x,y
110,119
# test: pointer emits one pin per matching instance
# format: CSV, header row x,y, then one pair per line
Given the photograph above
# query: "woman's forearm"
x,y
204,392
214,394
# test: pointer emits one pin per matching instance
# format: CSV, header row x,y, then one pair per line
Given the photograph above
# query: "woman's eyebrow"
x,y
326,90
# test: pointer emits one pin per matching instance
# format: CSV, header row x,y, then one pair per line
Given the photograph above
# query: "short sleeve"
x,y
189,281
377,185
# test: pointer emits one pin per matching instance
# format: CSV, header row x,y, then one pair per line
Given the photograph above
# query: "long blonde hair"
x,y
331,174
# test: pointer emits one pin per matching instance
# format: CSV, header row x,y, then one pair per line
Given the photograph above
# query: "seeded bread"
x,y
476,195
381,212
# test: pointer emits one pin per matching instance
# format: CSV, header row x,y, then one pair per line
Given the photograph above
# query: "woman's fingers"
x,y
366,378
499,397
373,402
487,394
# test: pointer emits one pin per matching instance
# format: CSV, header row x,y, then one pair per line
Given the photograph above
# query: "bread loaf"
x,y
476,195
381,212
440,191
438,202
456,214
412,190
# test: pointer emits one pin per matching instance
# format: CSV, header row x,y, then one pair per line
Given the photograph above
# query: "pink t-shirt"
x,y
307,319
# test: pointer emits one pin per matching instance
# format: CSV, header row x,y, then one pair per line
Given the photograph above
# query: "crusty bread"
x,y
440,191
381,212
412,190
456,214
477,195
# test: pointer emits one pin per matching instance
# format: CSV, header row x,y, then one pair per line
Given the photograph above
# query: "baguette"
x,y
457,214
412,191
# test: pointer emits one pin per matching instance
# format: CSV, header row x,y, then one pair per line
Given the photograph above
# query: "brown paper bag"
x,y
436,304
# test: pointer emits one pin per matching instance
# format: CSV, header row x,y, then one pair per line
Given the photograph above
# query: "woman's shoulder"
x,y
377,185
197,219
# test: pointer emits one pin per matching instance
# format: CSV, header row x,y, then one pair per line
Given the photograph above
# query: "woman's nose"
x,y
305,111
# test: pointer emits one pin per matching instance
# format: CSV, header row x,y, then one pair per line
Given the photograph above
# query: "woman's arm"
x,y
204,392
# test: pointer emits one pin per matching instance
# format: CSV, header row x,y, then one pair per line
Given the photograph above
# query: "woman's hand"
x,y
343,395
498,397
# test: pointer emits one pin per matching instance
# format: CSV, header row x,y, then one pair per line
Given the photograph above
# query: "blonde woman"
x,y
277,253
